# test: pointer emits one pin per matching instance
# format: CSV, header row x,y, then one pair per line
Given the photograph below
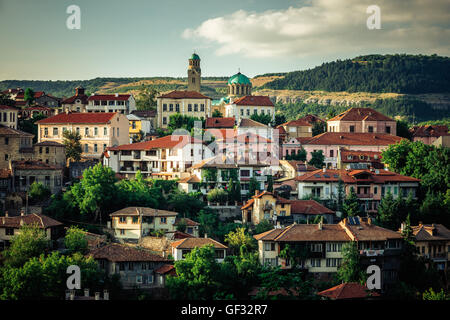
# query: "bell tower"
x,y
194,73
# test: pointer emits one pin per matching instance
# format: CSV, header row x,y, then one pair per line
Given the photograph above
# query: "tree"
x,y
217,114
262,118
72,145
270,183
31,241
75,240
403,129
146,98
263,226
217,195
29,96
351,269
234,190
317,159
253,186
340,195
387,211
351,205
38,192
431,295
239,241
209,221
188,205
182,225
318,128
139,192
96,193
279,119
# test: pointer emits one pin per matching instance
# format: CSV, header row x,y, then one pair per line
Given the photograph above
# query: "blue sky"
x,y
137,38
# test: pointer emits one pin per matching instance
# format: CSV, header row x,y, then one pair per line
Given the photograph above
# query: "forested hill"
x,y
398,73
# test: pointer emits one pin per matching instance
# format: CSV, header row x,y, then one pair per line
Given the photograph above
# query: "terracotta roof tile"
x,y
3,107
354,139
100,97
190,243
184,95
33,165
41,220
189,222
430,232
5,173
351,290
147,212
122,253
220,122
77,117
7,131
253,101
167,142
166,269
82,97
308,207
359,114
246,122
430,131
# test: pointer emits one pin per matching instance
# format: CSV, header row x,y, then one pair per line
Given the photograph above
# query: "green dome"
x,y
239,78
195,57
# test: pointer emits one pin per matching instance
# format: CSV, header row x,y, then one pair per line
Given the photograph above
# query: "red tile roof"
x,y
354,139
167,142
189,222
430,131
100,97
253,101
147,212
310,118
82,97
246,122
3,107
296,123
33,165
308,207
360,114
220,122
42,221
5,173
190,243
357,154
351,290
167,269
430,232
122,253
79,117
184,95
37,94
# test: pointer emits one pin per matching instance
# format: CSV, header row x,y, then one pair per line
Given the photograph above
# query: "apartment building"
x,y
358,159
246,106
138,126
297,128
98,130
14,145
370,186
429,133
25,172
330,143
365,120
120,103
50,152
75,103
9,116
188,103
184,246
322,247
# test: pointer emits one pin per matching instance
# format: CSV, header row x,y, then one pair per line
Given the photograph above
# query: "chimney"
x,y
86,292
72,294
324,169
369,221
206,235
117,95
22,212
21,222
6,214
402,227
97,296
105,295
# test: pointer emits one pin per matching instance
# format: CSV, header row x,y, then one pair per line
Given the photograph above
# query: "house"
x,y
280,211
98,130
14,145
132,223
290,147
31,112
164,271
442,141
188,103
168,157
348,290
358,159
10,226
246,106
138,125
370,186
297,128
247,125
364,120
433,242
120,103
9,116
25,172
318,247
5,187
184,246
76,103
330,142
40,98
76,168
192,227
220,123
149,115
50,152
135,266
428,133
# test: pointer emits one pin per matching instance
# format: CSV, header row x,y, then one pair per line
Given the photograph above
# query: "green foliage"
x,y
399,73
279,119
403,129
182,225
75,240
38,192
351,269
146,98
217,114
431,295
179,121
30,126
318,128
209,175
317,159
391,213
299,156
253,186
139,192
263,226
234,190
351,205
31,241
186,204
240,242
262,118
217,195
72,145
270,183
29,96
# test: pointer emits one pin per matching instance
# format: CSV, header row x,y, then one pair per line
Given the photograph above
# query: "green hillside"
x,y
398,73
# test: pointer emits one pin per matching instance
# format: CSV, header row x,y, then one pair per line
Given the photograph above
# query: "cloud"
x,y
329,27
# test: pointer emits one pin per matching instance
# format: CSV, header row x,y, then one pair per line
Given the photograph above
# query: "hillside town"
x,y
143,195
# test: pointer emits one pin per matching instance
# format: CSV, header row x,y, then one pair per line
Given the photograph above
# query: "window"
x,y
117,131
177,107
202,107
122,219
370,129
164,120
248,112
40,149
105,131
315,262
269,246
375,190
135,220
9,231
6,140
334,262
189,107
164,107
270,261
316,247
245,173
78,130
45,131
185,252
122,232
86,148
195,107
388,129
104,147
130,266
171,107
352,128
139,279
95,148
95,131
163,220
47,150
144,266
220,254
242,112
122,266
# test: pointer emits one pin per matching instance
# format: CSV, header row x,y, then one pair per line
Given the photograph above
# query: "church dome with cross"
x,y
239,85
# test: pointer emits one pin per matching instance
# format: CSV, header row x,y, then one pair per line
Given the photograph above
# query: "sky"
x,y
146,38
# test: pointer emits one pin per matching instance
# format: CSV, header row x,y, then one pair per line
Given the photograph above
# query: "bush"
x,y
217,195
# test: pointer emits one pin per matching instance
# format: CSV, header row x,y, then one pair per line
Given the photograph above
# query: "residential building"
x,y
184,246
14,145
25,172
291,147
50,152
188,103
194,73
428,133
76,103
370,186
322,245
365,120
280,211
40,98
33,111
442,141
9,116
10,226
12,93
192,227
120,103
297,128
5,187
246,106
149,115
220,123
132,223
167,157
433,243
348,290
247,125
358,159
98,130
138,126
330,142
135,266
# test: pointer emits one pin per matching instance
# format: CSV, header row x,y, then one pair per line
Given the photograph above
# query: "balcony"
x,y
371,253
365,195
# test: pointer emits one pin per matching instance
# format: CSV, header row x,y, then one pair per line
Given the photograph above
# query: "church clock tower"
x,y
194,73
